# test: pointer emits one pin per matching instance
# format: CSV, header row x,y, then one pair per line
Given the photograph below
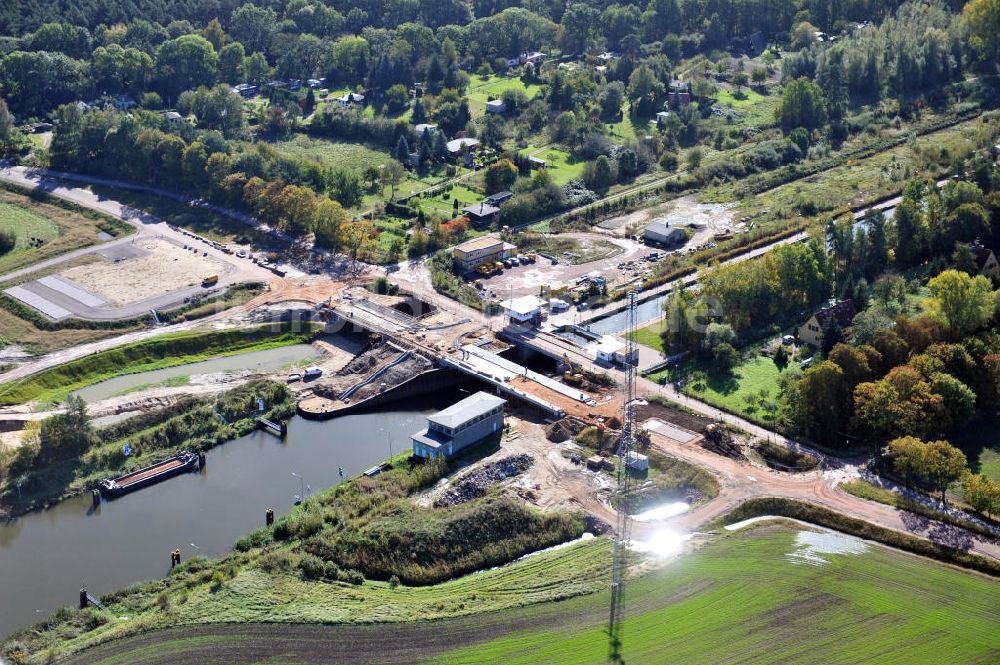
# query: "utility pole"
x,y
623,527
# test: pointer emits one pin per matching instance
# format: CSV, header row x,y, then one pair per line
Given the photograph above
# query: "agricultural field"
x,y
772,591
60,229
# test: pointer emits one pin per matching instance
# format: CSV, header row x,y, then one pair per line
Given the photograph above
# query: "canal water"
x,y
645,312
265,361
45,557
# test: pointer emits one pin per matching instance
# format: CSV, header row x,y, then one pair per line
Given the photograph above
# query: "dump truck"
x,y
211,280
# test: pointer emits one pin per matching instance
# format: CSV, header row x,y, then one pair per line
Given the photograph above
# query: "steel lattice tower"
x,y
623,526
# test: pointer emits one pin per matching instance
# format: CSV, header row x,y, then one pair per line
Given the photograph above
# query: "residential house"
x,y
461,425
499,198
173,117
350,99
458,146
246,90
607,57
477,251
316,83
123,102
986,261
532,58
756,43
811,332
524,309
496,106
424,127
482,213
663,232
661,119
536,162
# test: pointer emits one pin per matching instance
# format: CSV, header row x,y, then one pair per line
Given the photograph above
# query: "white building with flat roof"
x,y
523,309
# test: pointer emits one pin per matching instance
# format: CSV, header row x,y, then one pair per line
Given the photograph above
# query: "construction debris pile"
x,y
479,482
564,429
720,440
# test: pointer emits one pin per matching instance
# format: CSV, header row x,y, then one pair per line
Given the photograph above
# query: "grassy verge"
x,y
53,385
195,423
825,517
865,490
202,221
62,226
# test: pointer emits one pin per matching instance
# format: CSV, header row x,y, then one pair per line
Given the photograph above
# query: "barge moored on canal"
x,y
130,482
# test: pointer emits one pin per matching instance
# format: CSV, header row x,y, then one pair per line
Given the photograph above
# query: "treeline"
x,y
717,19
379,44
920,46
753,294
145,149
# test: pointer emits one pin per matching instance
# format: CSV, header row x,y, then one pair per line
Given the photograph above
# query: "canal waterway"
x,y
256,362
45,557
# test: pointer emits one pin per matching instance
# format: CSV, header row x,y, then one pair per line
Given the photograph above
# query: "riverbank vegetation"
x,y
362,544
172,349
65,455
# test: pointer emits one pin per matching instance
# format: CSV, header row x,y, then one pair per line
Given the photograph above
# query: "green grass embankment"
x,y
53,385
360,552
813,514
743,596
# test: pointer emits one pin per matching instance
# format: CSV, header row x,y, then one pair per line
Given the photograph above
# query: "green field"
x,y
562,166
740,597
730,391
650,336
980,441
482,89
61,228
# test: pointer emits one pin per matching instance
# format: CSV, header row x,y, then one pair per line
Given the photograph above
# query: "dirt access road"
x,y
740,481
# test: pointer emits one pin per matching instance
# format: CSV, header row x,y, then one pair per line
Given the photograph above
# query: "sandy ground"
x,y
164,268
529,279
705,219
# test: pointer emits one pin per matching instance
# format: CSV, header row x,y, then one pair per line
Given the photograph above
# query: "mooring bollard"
x,y
97,497
201,458
269,516
84,601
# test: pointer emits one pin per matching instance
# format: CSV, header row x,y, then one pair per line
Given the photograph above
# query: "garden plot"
x,y
161,268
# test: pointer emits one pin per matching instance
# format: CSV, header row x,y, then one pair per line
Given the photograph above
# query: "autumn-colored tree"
x,y
942,465
982,493
358,238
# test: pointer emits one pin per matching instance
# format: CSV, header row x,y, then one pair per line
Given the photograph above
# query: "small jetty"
x,y
278,429
149,475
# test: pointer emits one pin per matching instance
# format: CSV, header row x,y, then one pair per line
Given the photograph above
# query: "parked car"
x,y
514,261
294,376
312,372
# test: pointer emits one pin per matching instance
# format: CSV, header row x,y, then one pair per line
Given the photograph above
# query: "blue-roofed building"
x,y
461,425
